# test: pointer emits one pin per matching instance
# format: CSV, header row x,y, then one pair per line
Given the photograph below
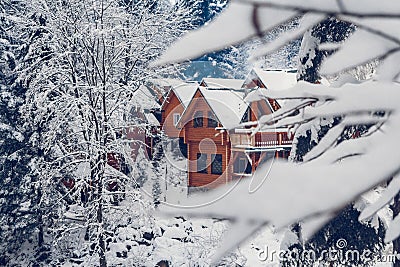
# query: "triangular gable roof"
x,y
222,83
183,91
228,106
273,79
256,95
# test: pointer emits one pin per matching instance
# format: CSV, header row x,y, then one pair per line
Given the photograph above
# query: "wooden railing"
x,y
242,140
261,139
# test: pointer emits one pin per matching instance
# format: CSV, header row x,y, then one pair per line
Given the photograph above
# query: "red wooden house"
x,y
205,126
219,150
266,143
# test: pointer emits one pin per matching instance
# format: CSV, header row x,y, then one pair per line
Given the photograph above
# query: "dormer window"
x,y
198,119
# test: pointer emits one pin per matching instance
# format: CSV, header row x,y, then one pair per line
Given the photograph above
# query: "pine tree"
x,y
21,212
360,236
204,10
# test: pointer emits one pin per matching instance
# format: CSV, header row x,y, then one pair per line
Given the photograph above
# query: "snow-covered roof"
x,y
228,105
276,79
272,80
151,119
144,98
166,82
222,83
184,91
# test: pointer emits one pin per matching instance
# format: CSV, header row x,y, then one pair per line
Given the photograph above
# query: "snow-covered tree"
x,y
21,207
204,10
79,94
335,172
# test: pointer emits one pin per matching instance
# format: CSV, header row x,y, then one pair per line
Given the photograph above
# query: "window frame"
x,y
214,160
240,166
204,168
174,116
211,120
198,121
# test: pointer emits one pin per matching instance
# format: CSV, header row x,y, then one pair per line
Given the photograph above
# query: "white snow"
x,y
276,79
307,22
175,232
144,98
360,48
151,119
223,83
228,105
393,231
185,92
386,197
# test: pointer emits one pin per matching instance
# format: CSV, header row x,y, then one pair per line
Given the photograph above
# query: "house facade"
x,y
204,127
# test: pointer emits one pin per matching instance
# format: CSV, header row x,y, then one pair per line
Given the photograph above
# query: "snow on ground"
x,y
192,242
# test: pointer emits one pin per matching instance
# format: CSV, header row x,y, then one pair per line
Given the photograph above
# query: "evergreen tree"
x,y
346,225
330,30
333,243
21,214
204,10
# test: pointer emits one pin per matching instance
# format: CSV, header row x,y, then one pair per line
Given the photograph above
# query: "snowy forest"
x,y
78,80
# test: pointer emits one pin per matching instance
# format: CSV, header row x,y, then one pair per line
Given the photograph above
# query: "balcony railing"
x,y
261,139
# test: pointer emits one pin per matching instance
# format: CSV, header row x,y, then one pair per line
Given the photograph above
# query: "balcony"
x,y
268,140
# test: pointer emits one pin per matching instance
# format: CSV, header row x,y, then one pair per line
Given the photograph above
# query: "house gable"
x,y
270,80
202,139
172,105
228,106
197,104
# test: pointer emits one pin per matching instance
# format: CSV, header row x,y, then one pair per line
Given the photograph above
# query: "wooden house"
x,y
219,149
205,126
250,150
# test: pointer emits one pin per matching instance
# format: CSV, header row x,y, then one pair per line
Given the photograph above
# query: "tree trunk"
x,y
102,245
40,221
396,243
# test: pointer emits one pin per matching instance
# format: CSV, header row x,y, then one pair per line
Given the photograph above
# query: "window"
x,y
201,163
212,122
216,165
242,165
176,118
246,116
260,110
198,119
183,147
